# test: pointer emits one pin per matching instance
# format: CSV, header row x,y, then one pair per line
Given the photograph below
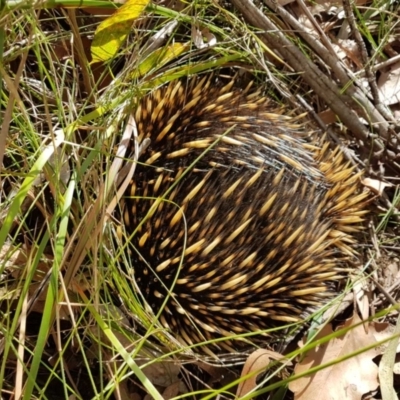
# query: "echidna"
x,y
240,222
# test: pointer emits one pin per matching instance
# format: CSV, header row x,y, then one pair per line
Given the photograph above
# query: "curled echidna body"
x,y
240,223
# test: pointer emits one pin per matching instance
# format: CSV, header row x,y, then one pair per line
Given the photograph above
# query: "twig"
x,y
323,86
364,58
330,58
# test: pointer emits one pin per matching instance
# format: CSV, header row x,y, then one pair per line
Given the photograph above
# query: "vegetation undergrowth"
x,y
73,323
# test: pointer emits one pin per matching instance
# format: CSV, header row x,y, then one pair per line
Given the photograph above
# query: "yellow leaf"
x,y
112,32
159,58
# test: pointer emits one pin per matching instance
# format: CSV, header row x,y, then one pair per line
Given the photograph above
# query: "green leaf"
x,y
112,32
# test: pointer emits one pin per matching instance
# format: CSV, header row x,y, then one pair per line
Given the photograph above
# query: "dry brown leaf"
x,y
349,379
382,331
391,274
15,261
162,374
375,185
327,116
174,390
256,363
12,256
389,85
348,49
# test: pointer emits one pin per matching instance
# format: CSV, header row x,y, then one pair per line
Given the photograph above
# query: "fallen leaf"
x,y
111,33
255,364
375,185
389,85
348,379
162,374
159,58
